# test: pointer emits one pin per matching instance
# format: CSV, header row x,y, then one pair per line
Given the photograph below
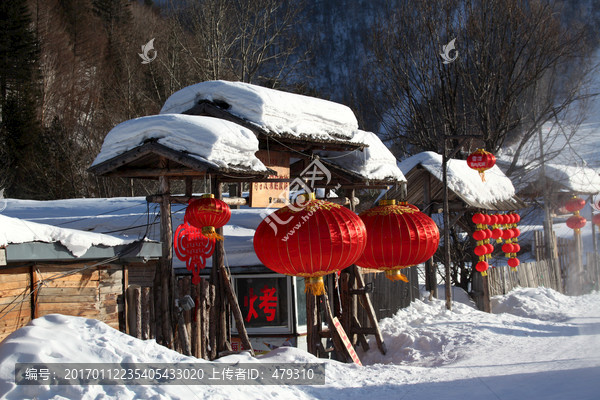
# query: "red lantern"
x,y
398,236
208,213
478,218
482,267
310,240
479,235
497,233
576,222
508,248
481,161
513,262
574,204
596,219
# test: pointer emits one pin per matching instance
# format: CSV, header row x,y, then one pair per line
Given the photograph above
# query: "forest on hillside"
x,y
70,71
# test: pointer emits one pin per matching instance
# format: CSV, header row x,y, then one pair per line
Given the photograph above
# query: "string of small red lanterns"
x,y
504,227
576,221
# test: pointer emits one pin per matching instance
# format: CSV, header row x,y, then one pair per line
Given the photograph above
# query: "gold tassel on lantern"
x,y
314,285
395,275
211,233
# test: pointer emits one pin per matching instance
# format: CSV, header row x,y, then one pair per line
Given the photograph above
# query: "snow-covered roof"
x,y
219,143
375,162
464,181
17,231
569,178
278,112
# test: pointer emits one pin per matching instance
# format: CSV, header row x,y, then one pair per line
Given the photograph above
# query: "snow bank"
x,y
279,112
539,303
14,230
463,180
221,143
374,162
432,353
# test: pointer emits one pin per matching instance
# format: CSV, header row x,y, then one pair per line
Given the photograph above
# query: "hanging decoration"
x,y
207,214
481,161
482,235
313,238
398,236
596,219
576,221
510,234
192,247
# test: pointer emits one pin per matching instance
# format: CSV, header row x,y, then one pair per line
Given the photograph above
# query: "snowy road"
x,y
538,345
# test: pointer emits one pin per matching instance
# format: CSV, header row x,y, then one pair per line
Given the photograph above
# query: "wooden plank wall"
x,y
388,296
533,274
15,303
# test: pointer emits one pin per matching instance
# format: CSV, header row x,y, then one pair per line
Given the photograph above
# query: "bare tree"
x,y
509,56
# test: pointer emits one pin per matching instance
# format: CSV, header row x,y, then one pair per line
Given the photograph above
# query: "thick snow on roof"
x,y
14,230
374,162
126,217
463,180
221,143
574,178
274,110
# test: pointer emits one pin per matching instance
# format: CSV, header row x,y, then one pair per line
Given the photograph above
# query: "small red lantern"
x,y
481,161
574,204
576,222
596,219
310,239
208,213
398,236
482,267
513,262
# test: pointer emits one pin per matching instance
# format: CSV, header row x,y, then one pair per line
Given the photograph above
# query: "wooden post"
x,y
134,305
236,311
146,304
430,270
163,276
313,325
447,260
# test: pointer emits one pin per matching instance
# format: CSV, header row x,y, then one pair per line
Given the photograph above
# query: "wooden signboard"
x,y
346,341
272,193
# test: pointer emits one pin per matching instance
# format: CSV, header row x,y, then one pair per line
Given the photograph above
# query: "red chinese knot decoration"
x,y
208,213
310,239
481,160
194,248
398,236
576,221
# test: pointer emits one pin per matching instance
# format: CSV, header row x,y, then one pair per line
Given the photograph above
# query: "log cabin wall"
x,y
67,289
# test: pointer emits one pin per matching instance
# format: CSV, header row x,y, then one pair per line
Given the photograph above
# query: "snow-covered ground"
x,y
538,345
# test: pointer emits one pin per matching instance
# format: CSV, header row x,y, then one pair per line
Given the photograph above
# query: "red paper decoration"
x,y
313,239
482,236
481,161
596,219
574,204
398,236
208,213
194,248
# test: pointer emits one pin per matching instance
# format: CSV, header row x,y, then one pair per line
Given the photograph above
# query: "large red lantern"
x,y
310,239
576,222
481,161
398,236
574,204
208,213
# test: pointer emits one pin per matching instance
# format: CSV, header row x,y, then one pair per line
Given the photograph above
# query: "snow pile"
x,y
276,111
14,230
374,162
432,353
218,142
463,180
540,303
